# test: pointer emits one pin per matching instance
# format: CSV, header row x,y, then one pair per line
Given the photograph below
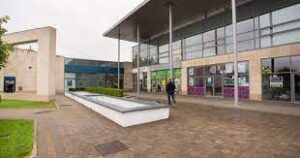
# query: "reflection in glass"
x,y
218,86
295,63
286,14
276,87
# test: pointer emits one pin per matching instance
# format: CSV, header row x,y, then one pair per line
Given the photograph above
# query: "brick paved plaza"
x,y
191,131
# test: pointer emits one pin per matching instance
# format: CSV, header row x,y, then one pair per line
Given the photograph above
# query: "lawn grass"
x,y
16,138
20,104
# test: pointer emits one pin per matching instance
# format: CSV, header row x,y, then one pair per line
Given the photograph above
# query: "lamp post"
x,y
170,5
234,30
119,51
138,60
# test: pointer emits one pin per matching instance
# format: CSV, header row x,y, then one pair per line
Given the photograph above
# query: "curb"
x,y
57,106
35,137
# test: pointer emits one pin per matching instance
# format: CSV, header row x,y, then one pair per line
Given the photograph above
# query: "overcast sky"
x,y
79,23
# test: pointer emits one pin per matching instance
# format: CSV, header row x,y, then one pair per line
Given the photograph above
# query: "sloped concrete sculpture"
x,y
45,76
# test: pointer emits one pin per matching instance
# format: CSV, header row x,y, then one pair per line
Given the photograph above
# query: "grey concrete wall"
x,y
22,64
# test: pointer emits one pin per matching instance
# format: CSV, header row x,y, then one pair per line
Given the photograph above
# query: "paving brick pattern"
x,y
192,131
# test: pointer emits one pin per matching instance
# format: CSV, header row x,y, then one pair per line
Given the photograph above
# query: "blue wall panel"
x,y
91,69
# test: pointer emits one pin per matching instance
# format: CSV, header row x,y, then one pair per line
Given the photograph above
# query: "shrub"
x,y
76,89
106,91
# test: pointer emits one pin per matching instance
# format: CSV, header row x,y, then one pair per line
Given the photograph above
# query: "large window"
x,y
177,51
221,40
163,54
271,29
144,55
280,27
209,43
245,35
193,47
153,54
276,78
260,31
91,73
134,56
159,80
218,80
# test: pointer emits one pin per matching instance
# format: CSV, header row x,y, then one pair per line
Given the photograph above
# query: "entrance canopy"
x,y
152,17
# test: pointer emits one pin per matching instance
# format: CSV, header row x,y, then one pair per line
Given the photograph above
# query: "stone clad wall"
x,y
60,74
128,78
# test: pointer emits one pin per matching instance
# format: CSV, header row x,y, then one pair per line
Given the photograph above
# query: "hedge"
x,y
76,89
106,91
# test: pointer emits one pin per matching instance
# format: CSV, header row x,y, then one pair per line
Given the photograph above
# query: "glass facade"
x,y
254,31
261,24
153,53
159,80
218,80
91,73
280,79
259,32
193,47
163,54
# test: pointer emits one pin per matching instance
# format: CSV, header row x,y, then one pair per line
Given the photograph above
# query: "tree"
x,y
4,47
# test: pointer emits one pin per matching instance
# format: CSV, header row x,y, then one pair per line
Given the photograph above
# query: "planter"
x,y
125,112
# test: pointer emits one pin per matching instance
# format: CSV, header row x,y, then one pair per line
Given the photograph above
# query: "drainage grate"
x,y
43,112
110,148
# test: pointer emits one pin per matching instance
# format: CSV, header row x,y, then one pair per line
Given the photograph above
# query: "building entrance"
x,y
210,86
213,86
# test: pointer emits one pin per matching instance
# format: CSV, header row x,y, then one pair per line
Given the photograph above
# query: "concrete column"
x,y
236,90
171,39
138,60
46,64
149,86
255,74
128,79
184,81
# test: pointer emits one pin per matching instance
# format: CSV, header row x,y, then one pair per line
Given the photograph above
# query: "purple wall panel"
x,y
243,92
196,91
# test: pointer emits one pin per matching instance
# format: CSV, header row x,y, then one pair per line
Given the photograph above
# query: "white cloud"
x,y
80,24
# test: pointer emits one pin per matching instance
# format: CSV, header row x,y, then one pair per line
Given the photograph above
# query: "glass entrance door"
x,y
296,87
210,86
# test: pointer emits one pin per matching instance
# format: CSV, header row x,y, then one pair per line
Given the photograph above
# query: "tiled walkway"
x,y
191,131
261,106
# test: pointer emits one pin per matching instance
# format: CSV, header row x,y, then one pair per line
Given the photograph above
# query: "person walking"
x,y
170,88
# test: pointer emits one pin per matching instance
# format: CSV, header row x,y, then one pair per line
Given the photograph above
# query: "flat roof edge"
x,y
125,17
37,28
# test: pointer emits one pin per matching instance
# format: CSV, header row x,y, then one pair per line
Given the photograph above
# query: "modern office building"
x,y
93,73
268,45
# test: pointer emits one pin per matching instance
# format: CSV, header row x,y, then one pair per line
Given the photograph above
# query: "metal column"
x,y
171,39
236,90
138,60
119,50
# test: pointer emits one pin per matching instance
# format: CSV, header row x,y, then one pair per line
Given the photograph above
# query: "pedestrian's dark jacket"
x,y
170,88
